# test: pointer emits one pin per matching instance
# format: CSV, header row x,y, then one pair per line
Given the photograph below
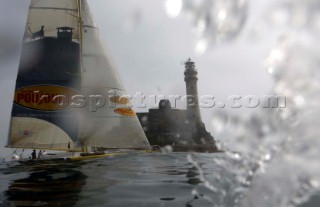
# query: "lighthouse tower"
x,y
191,78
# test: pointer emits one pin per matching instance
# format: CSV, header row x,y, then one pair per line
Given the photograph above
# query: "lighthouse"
x,y
191,78
182,129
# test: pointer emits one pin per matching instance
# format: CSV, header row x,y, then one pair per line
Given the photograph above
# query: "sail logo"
x,y
43,97
120,100
25,133
125,111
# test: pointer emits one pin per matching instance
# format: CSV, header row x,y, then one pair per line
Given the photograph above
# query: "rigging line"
x,y
54,8
93,55
80,28
113,117
107,87
73,15
75,74
79,14
90,26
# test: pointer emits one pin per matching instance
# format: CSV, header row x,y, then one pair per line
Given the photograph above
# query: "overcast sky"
x,y
147,47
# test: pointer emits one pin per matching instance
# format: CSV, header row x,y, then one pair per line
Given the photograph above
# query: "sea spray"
x,y
275,151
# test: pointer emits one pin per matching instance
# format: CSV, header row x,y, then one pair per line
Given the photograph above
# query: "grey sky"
x,y
147,48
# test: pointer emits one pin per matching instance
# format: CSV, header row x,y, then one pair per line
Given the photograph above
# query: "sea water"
x,y
144,179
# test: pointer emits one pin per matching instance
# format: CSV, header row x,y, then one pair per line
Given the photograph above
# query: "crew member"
x,y
34,154
39,154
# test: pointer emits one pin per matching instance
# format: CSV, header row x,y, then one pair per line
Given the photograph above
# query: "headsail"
x,y
114,125
63,57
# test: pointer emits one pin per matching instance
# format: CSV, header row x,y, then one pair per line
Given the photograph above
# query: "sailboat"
x,y
68,95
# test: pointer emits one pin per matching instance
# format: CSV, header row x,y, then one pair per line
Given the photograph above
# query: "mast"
x,y
80,26
83,146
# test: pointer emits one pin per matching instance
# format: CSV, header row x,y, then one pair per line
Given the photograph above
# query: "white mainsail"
x,y
63,55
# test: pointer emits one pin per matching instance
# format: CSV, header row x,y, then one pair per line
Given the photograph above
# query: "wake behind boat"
x,y
68,95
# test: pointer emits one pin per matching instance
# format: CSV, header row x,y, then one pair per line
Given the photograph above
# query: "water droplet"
x,y
314,183
201,47
270,69
166,149
144,119
194,192
133,20
267,157
173,7
277,55
222,14
299,101
218,123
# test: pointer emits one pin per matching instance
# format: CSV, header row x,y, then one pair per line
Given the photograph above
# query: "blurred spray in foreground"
x,y
276,150
214,21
